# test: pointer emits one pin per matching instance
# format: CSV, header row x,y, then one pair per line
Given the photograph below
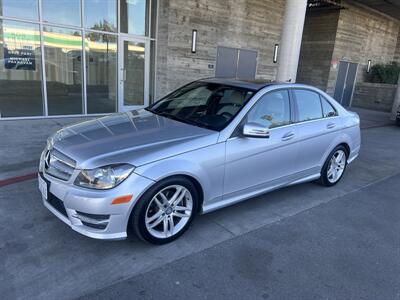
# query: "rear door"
x,y
317,126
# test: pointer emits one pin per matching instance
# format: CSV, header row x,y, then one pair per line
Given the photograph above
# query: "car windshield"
x,y
203,104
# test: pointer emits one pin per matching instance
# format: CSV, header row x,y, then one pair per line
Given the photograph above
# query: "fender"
x,y
207,171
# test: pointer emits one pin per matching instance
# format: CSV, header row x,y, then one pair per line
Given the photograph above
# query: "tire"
x,y
155,208
329,176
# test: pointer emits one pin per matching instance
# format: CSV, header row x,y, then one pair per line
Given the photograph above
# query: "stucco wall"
x,y
374,96
363,34
249,24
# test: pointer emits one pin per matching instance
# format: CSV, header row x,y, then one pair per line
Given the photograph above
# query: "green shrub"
x,y
384,73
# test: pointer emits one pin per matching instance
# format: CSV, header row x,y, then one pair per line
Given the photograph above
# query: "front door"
x,y
258,164
345,82
133,73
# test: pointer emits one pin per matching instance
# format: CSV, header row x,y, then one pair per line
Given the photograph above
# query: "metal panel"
x,y
227,60
340,81
349,87
247,64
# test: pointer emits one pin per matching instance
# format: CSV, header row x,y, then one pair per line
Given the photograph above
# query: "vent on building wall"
x,y
324,4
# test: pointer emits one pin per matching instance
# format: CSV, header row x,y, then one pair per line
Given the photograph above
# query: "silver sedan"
x,y
207,145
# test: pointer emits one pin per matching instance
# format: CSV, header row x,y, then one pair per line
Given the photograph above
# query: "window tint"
x,y
327,108
308,104
271,110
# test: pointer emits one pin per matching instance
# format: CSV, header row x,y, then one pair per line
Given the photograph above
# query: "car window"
x,y
308,105
271,110
327,108
203,104
195,97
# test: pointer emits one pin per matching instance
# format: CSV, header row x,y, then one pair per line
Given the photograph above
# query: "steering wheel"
x,y
227,115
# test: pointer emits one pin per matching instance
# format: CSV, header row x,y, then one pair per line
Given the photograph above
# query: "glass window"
x,y
67,12
327,108
101,15
63,58
134,69
272,110
20,70
23,9
308,104
203,104
134,16
101,76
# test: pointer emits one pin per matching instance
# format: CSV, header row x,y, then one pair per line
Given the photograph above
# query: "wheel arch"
x,y
346,146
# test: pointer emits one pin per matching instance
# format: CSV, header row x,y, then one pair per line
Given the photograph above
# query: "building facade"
x,y
89,57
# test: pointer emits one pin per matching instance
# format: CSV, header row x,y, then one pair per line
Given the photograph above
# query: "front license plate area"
x,y
43,187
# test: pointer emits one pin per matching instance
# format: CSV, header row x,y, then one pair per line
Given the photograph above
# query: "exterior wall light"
x,y
276,48
369,66
194,40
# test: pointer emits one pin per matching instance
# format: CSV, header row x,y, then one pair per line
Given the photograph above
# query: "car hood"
x,y
135,137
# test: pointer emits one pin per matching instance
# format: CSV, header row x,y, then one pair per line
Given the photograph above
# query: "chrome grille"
x,y
58,165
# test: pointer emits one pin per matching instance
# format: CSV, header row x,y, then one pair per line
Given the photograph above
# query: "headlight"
x,y
105,177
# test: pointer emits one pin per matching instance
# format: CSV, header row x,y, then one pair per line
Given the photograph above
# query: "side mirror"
x,y
255,130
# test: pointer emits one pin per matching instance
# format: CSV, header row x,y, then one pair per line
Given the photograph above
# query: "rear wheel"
x,y
165,211
334,166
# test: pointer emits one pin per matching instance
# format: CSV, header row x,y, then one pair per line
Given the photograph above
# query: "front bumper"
x,y
90,212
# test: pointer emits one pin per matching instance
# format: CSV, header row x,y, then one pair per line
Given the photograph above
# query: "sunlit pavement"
x,y
305,241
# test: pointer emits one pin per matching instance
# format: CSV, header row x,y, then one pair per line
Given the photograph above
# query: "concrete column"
x,y
289,48
396,101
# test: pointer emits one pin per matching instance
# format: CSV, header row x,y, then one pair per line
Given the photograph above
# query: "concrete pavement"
x,y
345,249
22,141
41,257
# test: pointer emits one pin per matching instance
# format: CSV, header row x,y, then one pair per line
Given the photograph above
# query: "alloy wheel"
x,y
336,166
169,211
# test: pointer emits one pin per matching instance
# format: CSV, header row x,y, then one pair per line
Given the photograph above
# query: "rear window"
x,y
327,108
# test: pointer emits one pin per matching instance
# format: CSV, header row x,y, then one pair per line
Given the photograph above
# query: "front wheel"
x,y
334,166
165,211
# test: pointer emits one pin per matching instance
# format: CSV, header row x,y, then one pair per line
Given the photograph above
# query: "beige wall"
x,y
249,24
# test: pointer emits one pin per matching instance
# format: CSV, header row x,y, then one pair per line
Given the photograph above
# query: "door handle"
x,y
330,125
288,136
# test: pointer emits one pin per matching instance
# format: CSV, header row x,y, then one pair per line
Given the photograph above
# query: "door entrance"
x,y
345,82
133,66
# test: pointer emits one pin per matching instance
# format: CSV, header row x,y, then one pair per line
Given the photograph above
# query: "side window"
x,y
308,105
327,108
271,110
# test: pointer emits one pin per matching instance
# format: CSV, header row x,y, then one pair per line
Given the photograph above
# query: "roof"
x,y
253,85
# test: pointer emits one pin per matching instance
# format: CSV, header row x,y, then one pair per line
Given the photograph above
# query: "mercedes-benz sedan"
x,y
207,145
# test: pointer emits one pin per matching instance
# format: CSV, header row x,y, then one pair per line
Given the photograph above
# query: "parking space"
x,y
42,257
